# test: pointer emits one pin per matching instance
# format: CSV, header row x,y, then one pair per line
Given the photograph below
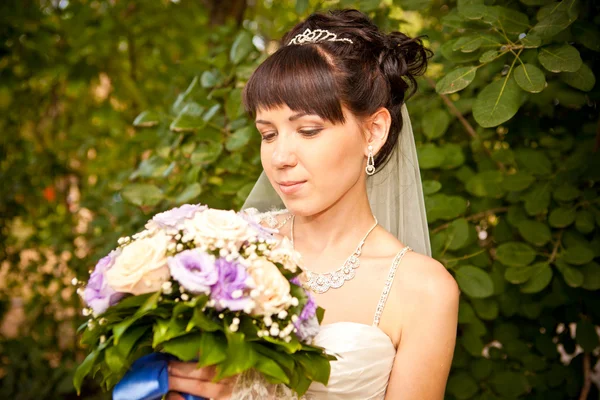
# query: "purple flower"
x,y
173,217
307,323
231,287
194,270
97,294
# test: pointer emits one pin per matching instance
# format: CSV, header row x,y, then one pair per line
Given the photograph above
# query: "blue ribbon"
x,y
147,379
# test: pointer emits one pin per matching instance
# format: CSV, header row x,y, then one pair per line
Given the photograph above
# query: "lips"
x,y
289,183
289,187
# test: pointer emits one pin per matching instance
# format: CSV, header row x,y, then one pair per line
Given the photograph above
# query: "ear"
x,y
378,128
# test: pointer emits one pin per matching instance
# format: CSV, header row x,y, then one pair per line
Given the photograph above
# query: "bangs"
x,y
299,77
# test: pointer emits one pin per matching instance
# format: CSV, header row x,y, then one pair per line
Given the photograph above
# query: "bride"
x,y
341,181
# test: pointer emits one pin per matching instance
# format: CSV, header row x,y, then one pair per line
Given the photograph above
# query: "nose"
x,y
284,152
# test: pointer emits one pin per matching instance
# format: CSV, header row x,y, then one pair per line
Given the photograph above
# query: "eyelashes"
x,y
306,133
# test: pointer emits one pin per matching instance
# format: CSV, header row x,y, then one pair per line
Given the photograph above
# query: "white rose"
x,y
285,254
273,289
219,225
141,267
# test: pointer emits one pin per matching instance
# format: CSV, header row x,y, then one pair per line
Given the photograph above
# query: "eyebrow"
x,y
292,118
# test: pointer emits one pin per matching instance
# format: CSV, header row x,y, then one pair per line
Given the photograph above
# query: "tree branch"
x,y
473,217
587,377
468,127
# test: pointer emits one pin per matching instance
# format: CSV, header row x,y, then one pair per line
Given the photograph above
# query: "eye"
x,y
311,132
267,136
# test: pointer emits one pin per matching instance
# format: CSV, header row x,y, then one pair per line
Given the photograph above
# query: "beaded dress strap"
x,y
388,284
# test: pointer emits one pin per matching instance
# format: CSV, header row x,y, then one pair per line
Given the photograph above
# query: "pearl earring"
x,y
370,169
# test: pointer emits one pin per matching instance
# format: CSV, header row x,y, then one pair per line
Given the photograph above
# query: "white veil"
x,y
395,193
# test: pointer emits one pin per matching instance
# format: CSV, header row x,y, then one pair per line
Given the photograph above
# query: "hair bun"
x,y
403,59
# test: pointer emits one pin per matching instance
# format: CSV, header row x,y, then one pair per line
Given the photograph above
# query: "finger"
x,y
191,371
174,396
200,388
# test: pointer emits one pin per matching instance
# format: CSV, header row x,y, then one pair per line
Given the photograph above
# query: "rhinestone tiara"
x,y
315,36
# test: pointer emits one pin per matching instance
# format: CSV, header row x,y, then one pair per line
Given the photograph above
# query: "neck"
x,y
338,228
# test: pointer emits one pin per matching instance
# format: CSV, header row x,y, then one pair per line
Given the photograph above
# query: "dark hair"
x,y
376,70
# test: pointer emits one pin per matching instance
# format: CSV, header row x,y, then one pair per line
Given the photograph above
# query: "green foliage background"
x,y
112,111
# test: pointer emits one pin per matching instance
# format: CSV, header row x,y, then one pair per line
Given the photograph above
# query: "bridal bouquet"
x,y
205,285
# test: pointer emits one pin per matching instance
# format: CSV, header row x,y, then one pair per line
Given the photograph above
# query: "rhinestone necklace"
x,y
320,283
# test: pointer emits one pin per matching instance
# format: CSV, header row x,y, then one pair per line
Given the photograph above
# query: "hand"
x,y
186,377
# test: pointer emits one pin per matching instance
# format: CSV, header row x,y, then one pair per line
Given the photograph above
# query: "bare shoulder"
x,y
428,277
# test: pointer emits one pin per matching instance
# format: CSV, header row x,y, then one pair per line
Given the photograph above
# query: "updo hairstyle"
x,y
376,70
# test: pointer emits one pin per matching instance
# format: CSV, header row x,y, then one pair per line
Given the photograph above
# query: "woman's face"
x,y
310,162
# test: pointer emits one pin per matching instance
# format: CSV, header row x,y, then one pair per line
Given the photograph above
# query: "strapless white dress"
x,y
365,354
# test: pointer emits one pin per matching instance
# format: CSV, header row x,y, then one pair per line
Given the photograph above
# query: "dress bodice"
x,y
365,355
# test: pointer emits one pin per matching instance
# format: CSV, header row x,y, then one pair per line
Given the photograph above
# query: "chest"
x,y
357,298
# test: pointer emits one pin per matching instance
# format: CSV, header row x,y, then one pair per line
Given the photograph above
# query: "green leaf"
x,y
206,153
149,305
584,221
453,156
240,356
573,276
213,348
185,348
189,119
486,309
202,321
474,281
531,41
471,342
537,199
486,184
535,232
578,254
435,123
190,193
534,161
239,138
488,56
458,234
530,78
515,254
586,336
466,314
517,181
456,80
129,339
270,368
441,206
431,187
430,156
208,79
517,275
566,192
560,58
142,194
587,34
84,369
457,56
497,102
242,46
233,104
582,79
539,280
554,22
146,119
509,384
462,385
506,19
562,217
591,276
